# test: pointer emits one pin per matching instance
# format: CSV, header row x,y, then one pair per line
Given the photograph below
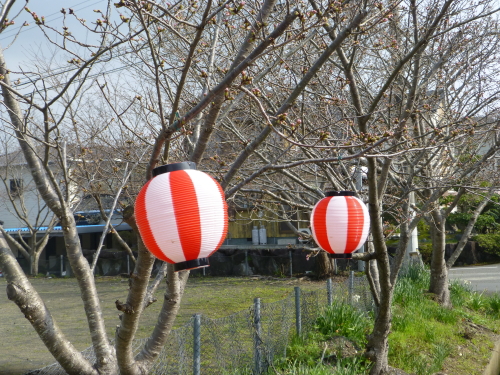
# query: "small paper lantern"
x,y
182,215
340,223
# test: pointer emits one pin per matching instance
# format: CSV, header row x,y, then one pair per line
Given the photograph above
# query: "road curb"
x,y
493,367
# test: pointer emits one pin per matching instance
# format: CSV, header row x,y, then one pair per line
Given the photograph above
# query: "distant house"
x,y
246,217
23,212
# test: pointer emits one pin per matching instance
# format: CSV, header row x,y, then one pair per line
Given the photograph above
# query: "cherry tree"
x,y
179,78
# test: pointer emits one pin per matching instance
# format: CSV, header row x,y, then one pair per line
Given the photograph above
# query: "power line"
x,y
115,70
92,76
54,73
22,29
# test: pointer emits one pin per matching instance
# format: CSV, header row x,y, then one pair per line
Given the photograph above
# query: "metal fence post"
x,y
128,264
298,313
291,259
257,337
62,265
329,291
351,287
196,344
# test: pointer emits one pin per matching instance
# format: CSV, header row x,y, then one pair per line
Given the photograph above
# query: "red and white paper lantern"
x,y
340,223
182,215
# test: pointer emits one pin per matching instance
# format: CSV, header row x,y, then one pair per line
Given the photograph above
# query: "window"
x,y
16,187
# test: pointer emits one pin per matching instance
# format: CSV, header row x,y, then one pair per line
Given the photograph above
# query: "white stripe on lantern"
x,y
337,224
161,218
313,231
211,205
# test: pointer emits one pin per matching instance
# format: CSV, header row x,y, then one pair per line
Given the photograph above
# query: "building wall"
x,y
241,223
37,213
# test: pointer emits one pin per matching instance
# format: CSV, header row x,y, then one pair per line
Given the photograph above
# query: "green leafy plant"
x,y
459,292
423,229
344,320
425,250
410,286
489,242
476,301
494,304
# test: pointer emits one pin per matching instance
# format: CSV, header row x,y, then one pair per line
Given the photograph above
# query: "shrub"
x,y
488,243
425,250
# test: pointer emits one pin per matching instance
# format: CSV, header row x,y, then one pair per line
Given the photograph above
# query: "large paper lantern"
x,y
182,215
340,223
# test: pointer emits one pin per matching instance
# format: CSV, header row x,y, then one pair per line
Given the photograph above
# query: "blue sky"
x,y
30,42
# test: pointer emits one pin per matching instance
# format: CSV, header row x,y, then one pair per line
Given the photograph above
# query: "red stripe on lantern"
x,y
143,222
355,221
187,213
319,223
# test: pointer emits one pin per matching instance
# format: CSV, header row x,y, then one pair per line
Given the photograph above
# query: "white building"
x,y
23,212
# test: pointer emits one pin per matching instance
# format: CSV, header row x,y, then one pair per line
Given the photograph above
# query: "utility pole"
x,y
412,247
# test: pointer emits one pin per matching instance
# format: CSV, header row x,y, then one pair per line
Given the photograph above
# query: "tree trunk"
x,y
439,271
34,259
378,346
373,277
48,190
468,230
324,265
132,310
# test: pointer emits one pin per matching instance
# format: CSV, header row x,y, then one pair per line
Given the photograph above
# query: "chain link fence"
x,y
246,342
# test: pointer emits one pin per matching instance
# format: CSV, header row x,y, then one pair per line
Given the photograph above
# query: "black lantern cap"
x,y
340,194
173,167
191,264
341,256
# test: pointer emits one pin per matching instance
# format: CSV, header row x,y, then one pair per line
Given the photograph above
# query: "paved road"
x,y
482,278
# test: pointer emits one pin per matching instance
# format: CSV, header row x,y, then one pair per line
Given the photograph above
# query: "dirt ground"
x,y
22,350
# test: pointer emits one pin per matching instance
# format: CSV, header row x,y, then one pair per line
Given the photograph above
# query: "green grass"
x,y
312,356
344,366
425,337
420,326
215,297
322,351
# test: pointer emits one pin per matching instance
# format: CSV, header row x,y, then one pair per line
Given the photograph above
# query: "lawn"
x,y
425,339
214,297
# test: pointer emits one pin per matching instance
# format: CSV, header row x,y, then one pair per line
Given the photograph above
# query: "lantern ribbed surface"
x,y
340,223
182,215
